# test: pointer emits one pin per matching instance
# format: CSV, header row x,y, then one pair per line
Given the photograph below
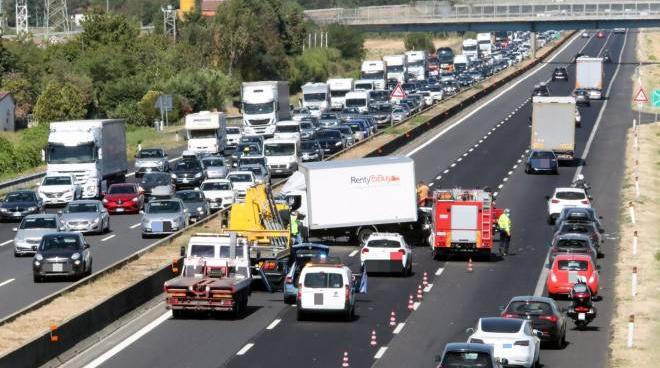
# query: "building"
x,y
208,7
7,112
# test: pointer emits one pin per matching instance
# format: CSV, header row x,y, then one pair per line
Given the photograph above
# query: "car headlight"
x,y
135,199
338,144
3,210
104,200
39,257
173,175
96,221
75,256
185,210
200,209
198,175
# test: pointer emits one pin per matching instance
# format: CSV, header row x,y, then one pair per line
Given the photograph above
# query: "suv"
x,y
560,73
325,287
386,252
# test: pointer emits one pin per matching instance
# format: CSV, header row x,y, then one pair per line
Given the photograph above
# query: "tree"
x,y
60,101
22,91
419,42
235,29
108,29
349,41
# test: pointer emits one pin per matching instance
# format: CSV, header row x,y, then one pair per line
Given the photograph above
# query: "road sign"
x,y
640,96
655,98
164,102
398,92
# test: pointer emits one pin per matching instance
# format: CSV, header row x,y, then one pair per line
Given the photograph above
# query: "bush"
x,y
347,40
419,41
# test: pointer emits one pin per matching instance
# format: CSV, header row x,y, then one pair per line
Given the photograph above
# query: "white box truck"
x,y
396,67
589,76
263,104
92,151
205,132
355,198
470,50
485,43
339,87
374,70
553,125
417,64
316,97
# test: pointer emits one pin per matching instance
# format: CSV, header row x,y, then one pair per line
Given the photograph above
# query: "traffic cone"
x,y
469,268
425,280
373,338
392,319
411,303
344,360
420,293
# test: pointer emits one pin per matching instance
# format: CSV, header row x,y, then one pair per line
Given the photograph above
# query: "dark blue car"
x,y
301,254
542,162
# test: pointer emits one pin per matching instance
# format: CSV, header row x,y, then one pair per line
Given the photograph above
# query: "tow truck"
x,y
464,221
215,276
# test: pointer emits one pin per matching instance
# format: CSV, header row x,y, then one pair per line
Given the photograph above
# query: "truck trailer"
x,y
263,104
92,151
553,125
589,76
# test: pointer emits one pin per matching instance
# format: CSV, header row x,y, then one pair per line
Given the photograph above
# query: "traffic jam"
x,y
271,183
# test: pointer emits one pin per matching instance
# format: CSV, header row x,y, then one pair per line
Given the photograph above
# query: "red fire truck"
x,y
463,222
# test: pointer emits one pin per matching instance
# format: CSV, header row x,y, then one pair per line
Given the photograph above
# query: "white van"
x,y
282,155
287,129
326,288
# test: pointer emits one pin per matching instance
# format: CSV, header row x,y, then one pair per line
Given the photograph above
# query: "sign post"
x,y
164,104
397,94
641,98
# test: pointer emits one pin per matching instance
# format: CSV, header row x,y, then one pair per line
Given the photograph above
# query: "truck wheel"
x,y
364,234
177,313
300,315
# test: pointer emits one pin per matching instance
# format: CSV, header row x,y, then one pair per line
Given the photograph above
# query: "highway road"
x,y
482,147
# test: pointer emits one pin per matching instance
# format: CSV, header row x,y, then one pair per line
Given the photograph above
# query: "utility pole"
x,y
169,21
21,17
57,16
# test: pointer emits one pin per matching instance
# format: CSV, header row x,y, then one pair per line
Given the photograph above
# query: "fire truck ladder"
x,y
486,218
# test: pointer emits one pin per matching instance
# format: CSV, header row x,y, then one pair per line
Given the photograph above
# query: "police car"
x,y
386,252
327,287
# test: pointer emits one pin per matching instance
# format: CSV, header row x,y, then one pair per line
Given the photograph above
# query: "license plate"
x,y
120,210
157,227
318,299
507,346
57,267
17,213
184,180
582,316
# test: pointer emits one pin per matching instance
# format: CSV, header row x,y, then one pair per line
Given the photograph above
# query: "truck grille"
x,y
259,122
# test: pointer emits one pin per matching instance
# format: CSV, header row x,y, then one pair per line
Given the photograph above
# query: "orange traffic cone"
x,y
425,280
420,293
469,267
373,338
344,360
392,319
411,303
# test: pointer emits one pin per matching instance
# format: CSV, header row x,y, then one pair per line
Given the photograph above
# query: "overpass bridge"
x,y
495,15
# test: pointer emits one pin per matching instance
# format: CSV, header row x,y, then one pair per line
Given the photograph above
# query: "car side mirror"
x,y
14,229
182,251
86,246
469,331
141,212
537,333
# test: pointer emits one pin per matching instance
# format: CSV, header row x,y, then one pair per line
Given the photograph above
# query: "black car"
x,y
331,140
188,173
581,227
311,150
19,204
464,80
246,149
544,314
582,97
541,90
156,179
62,254
560,73
463,354
194,202
579,214
541,162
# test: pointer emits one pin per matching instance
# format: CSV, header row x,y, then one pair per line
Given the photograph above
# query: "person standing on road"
x,y
422,193
295,228
504,225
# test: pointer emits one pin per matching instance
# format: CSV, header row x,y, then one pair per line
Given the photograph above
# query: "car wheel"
x,y
36,278
537,363
300,315
551,220
561,341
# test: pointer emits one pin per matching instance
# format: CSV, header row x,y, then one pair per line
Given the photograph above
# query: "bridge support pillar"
x,y
532,43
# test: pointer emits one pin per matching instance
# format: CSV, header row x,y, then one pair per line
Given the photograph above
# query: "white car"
x,y
386,252
564,198
585,35
326,288
512,339
219,193
233,136
241,181
58,189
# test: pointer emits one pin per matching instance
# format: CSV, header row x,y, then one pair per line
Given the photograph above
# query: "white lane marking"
x,y
446,171
519,161
465,154
273,324
587,147
7,242
134,226
353,253
510,172
459,159
108,237
245,348
453,165
127,342
428,288
515,166
485,137
6,282
431,184
540,283
439,271
398,328
438,177
495,194
380,352
505,179
416,305
481,141
489,133
500,186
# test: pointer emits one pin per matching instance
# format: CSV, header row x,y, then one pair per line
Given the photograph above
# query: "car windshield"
x,y
150,153
308,146
216,186
279,149
81,207
572,243
329,134
287,129
529,307
200,250
192,196
212,162
469,359
57,180
248,148
542,155
240,178
122,189
398,111
572,265
306,126
383,243
323,280
570,196
258,108
61,242
39,223
202,133
61,154
233,130
500,325
156,179
575,228
163,207
314,96
252,161
187,165
356,102
20,197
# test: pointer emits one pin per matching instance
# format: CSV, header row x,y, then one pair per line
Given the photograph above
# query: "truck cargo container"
x,y
553,126
589,76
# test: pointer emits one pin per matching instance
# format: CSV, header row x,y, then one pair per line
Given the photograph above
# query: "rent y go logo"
x,y
375,179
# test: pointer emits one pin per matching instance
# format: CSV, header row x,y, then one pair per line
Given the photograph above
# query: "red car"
x,y
565,270
124,198
600,34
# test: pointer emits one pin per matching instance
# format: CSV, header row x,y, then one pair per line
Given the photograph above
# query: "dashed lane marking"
x,y
245,348
438,177
273,324
7,242
431,184
416,305
353,253
6,282
108,237
500,186
439,271
453,165
446,171
380,352
398,328
428,288
136,225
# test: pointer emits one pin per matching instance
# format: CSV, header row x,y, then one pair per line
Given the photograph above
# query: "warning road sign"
x,y
640,96
398,93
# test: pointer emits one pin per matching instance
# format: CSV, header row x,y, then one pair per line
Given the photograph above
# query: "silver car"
x,y
30,231
151,160
261,172
214,167
85,216
163,217
195,203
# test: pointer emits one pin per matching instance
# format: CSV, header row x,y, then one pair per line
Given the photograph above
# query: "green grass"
x,y
657,256
149,137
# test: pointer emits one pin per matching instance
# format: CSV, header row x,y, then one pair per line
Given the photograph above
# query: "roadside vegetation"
x,y
648,53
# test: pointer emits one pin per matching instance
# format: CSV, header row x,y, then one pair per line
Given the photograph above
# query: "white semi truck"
x,y
417,64
589,76
92,151
316,97
263,104
470,49
396,66
205,131
553,125
485,44
339,87
374,70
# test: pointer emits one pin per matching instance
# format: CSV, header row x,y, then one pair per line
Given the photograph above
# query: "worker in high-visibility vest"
x,y
504,225
295,228
422,193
